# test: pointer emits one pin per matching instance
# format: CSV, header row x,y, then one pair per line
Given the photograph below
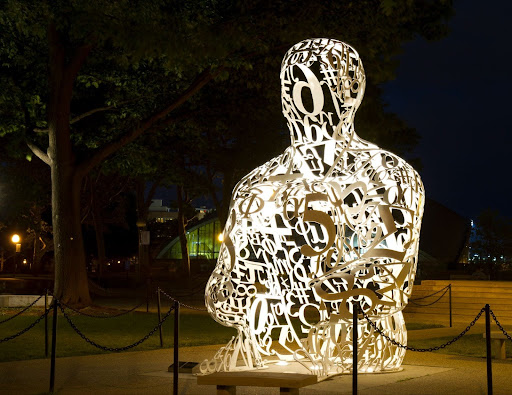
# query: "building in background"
x,y
444,242
203,242
160,213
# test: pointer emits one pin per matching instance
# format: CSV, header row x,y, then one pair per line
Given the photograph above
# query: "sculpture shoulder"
x,y
403,171
265,174
402,168
376,166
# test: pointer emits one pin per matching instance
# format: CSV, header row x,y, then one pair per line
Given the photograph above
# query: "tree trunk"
x,y
142,219
98,230
227,190
218,203
35,267
63,65
71,284
182,224
40,252
36,255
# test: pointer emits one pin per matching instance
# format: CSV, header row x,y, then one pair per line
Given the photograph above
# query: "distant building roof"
x,y
444,234
157,205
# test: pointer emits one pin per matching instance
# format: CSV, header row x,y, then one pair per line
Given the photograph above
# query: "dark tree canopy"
x,y
83,79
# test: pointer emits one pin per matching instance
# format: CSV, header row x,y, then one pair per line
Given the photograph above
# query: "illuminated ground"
x,y
146,373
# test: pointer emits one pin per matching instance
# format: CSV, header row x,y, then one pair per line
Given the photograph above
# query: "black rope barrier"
x,y
432,294
500,326
487,310
405,347
22,311
446,289
100,316
114,349
176,306
181,303
5,339
197,289
488,313
413,301
176,350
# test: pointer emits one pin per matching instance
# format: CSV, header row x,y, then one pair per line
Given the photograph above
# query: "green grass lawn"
x,y
470,345
195,329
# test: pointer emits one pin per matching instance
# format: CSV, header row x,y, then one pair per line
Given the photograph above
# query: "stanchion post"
x,y
488,347
147,295
159,318
46,324
176,347
450,302
355,335
54,344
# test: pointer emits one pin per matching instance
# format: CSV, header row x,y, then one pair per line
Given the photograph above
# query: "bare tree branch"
x,y
38,130
101,109
96,110
201,80
82,116
89,113
39,153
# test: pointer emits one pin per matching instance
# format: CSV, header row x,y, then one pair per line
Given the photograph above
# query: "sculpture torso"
x,y
332,221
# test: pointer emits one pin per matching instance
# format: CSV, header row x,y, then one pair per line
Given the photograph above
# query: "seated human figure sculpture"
x,y
331,222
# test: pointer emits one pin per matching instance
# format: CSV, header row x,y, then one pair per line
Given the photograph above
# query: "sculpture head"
x,y
322,83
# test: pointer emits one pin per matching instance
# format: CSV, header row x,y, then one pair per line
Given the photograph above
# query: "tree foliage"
x,y
83,79
492,245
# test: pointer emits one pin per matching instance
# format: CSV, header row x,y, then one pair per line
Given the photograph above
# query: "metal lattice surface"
x,y
334,220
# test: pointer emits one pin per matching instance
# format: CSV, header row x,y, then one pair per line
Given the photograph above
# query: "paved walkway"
x,y
146,373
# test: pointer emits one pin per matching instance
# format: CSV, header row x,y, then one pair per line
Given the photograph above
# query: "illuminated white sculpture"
x,y
332,221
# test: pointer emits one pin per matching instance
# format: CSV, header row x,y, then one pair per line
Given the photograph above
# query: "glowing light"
x,y
332,221
282,363
220,237
15,238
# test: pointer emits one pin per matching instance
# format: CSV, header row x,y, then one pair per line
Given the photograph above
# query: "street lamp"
x,y
16,239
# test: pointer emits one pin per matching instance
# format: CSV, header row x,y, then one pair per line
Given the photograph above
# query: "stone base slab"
x,y
22,300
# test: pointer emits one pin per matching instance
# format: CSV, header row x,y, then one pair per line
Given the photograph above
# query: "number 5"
x,y
320,217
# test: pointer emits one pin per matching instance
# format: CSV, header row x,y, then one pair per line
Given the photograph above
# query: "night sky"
x,y
456,93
